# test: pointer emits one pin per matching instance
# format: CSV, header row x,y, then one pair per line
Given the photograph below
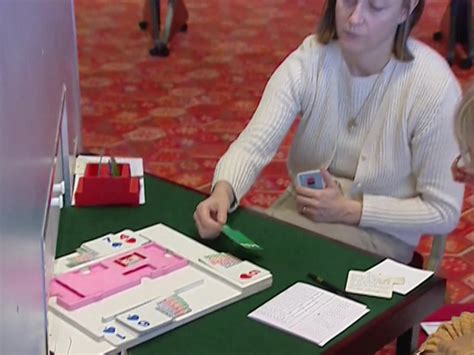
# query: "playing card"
x,y
220,260
173,306
82,256
115,334
113,243
311,179
145,318
245,272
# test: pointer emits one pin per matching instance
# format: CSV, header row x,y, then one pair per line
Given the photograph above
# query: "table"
x,y
289,253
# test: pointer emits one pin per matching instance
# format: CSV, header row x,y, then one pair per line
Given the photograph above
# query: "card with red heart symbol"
x,y
113,243
245,272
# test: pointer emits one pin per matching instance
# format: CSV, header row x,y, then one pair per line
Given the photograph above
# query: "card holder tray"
x,y
99,188
79,288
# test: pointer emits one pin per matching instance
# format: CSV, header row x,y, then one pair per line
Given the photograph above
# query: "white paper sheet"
x,y
413,277
310,312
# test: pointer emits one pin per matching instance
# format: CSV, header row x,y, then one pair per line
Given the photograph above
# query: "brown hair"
x,y
326,30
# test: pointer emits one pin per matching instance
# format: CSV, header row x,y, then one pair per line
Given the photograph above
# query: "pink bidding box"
x,y
79,288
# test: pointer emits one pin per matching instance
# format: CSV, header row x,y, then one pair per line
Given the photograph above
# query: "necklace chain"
x,y
352,123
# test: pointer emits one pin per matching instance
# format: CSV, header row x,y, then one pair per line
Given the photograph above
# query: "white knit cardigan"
x,y
403,172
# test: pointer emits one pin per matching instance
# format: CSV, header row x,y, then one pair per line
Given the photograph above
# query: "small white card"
x,y
220,261
366,283
430,327
116,334
144,318
115,243
245,272
81,257
392,269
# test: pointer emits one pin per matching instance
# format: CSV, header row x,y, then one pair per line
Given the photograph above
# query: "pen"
x,y
318,280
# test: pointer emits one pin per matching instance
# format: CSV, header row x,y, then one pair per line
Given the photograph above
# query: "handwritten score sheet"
x,y
310,312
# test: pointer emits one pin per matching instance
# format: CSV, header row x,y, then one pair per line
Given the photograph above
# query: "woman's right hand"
x,y
211,214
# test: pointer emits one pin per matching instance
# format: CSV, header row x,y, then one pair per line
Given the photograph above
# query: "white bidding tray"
x,y
205,288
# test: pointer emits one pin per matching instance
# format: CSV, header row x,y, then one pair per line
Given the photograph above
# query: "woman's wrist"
x,y
224,189
353,212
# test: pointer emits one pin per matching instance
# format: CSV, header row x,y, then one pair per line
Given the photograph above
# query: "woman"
x,y
463,165
457,335
376,117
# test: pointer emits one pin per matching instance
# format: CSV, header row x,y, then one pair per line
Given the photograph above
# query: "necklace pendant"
x,y
351,124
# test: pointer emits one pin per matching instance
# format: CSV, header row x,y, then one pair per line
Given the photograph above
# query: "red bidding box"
x,y
100,188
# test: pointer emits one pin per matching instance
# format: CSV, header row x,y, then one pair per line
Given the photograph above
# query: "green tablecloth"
x,y
289,253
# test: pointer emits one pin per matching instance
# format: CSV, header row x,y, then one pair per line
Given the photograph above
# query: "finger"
x,y
303,201
205,216
222,214
328,180
206,232
209,233
196,219
198,224
307,192
309,212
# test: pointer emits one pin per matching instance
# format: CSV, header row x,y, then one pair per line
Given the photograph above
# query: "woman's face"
x,y
367,25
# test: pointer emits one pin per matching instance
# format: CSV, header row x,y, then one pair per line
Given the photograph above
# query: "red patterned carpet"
x,y
180,113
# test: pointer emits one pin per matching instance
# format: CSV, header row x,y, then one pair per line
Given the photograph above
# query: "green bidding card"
x,y
240,238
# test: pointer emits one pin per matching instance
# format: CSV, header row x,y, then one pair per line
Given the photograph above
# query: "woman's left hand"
x,y
329,204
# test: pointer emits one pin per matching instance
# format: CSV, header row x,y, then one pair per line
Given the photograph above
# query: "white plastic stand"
x,y
203,286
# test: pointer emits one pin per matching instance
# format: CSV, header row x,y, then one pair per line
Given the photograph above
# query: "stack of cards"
x,y
223,260
153,315
173,306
